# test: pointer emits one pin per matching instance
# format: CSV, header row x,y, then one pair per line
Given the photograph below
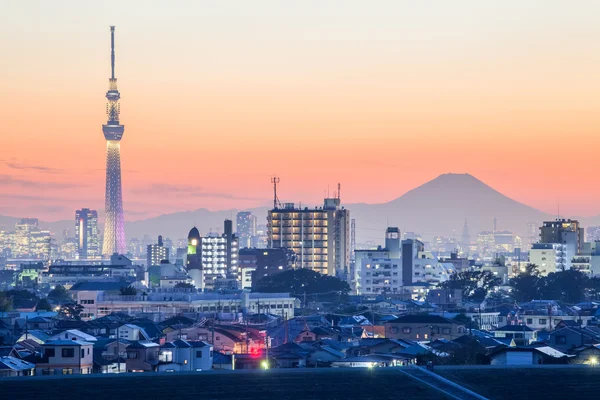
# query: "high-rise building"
x,y
565,231
193,261
379,271
114,225
86,233
246,228
156,253
320,237
213,258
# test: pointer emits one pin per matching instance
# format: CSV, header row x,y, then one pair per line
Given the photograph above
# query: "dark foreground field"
x,y
544,382
342,384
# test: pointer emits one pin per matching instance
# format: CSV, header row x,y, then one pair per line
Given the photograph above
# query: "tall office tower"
x,y
246,228
86,233
155,253
114,230
320,237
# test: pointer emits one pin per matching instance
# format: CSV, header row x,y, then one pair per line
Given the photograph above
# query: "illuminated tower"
x,y
114,231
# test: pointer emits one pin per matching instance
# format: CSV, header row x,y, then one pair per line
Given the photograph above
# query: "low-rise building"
x,y
183,355
64,357
423,328
142,357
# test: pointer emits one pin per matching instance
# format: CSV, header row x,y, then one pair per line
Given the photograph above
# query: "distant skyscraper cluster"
x,y
28,240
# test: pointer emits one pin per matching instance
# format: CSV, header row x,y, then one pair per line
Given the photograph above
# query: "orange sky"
x,y
218,95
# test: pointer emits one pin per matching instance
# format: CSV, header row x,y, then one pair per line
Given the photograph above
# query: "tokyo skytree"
x,y
114,230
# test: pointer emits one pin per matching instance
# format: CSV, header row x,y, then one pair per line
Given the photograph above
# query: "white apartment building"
x,y
549,257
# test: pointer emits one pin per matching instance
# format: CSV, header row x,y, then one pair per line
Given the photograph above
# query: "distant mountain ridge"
x,y
438,207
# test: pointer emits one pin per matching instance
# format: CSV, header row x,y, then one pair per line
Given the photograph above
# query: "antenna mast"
x,y
339,193
275,181
112,52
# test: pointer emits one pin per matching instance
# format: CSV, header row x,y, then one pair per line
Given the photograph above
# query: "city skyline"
x,y
356,85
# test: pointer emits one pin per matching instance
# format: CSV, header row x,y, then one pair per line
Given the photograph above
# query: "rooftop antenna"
x,y
275,181
339,193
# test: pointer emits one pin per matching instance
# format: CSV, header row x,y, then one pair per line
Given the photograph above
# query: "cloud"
x,y
7,180
163,189
13,164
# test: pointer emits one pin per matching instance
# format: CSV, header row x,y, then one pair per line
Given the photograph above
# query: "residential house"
x,y
183,355
142,357
586,354
35,335
73,334
315,334
571,337
41,323
528,356
223,361
519,334
423,328
64,357
132,332
13,366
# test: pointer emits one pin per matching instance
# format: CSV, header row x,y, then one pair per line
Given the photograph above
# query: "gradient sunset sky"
x,y
381,96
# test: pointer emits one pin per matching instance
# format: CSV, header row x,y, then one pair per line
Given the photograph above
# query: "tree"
x,y
184,285
6,302
526,285
567,286
71,311
43,304
128,291
300,281
59,293
475,285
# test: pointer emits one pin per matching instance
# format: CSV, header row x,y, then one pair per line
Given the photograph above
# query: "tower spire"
x,y
112,52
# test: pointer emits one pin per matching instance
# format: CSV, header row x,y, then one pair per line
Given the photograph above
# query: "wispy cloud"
x,y
16,165
7,180
163,189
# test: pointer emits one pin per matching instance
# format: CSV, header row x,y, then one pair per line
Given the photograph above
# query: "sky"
x,y
217,96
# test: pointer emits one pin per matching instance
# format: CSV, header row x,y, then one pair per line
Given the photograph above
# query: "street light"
x,y
264,364
593,361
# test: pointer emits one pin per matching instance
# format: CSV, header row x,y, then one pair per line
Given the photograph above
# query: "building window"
x,y
198,353
446,331
50,352
560,339
68,353
132,354
529,321
543,321
82,353
406,330
67,371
